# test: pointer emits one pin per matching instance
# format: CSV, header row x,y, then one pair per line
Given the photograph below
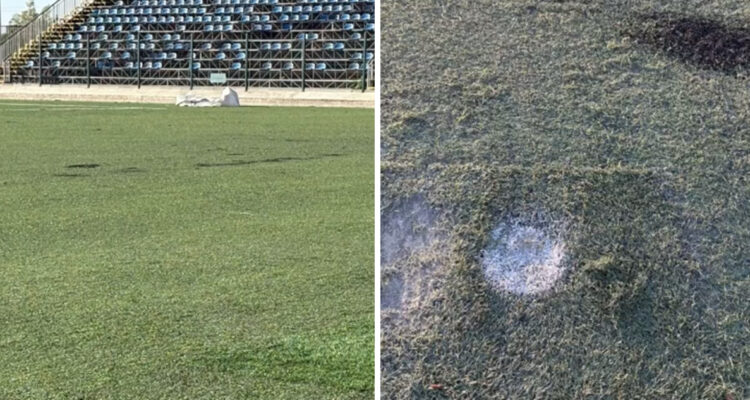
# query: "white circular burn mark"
x,y
522,259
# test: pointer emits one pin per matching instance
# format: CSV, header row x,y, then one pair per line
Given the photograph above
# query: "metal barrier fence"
x,y
307,63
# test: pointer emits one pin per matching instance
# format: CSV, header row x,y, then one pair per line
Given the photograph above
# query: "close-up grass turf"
x,y
156,252
620,127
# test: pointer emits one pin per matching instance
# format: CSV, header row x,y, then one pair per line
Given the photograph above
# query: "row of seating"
x,y
220,27
137,3
156,65
168,37
227,18
220,54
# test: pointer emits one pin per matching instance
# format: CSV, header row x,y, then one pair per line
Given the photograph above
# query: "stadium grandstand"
x,y
250,43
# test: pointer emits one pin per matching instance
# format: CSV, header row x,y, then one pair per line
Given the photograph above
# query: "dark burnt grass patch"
x,y
700,41
82,166
264,161
130,170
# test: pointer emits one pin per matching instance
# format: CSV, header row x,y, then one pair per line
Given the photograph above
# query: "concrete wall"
x,y
168,95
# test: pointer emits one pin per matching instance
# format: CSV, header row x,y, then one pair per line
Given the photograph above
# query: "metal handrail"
x,y
51,15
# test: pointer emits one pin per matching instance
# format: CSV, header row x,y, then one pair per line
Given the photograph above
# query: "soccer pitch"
x,y
151,251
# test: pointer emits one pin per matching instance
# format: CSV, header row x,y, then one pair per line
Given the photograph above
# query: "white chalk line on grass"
x,y
81,108
60,104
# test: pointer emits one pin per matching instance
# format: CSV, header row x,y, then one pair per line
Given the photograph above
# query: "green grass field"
x,y
155,252
555,114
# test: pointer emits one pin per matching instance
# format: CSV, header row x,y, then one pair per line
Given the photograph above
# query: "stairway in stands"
x,y
30,51
21,45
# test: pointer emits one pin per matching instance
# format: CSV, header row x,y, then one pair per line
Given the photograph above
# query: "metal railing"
x,y
56,12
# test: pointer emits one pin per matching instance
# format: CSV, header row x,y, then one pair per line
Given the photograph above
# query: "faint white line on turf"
x,y
107,107
82,109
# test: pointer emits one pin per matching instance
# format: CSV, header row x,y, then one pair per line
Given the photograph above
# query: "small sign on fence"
x,y
219,78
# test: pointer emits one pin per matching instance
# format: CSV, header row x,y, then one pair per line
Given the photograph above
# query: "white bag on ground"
x,y
229,98
191,100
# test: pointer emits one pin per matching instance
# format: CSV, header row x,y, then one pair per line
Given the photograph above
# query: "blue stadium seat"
x,y
196,66
267,66
236,66
320,67
221,56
